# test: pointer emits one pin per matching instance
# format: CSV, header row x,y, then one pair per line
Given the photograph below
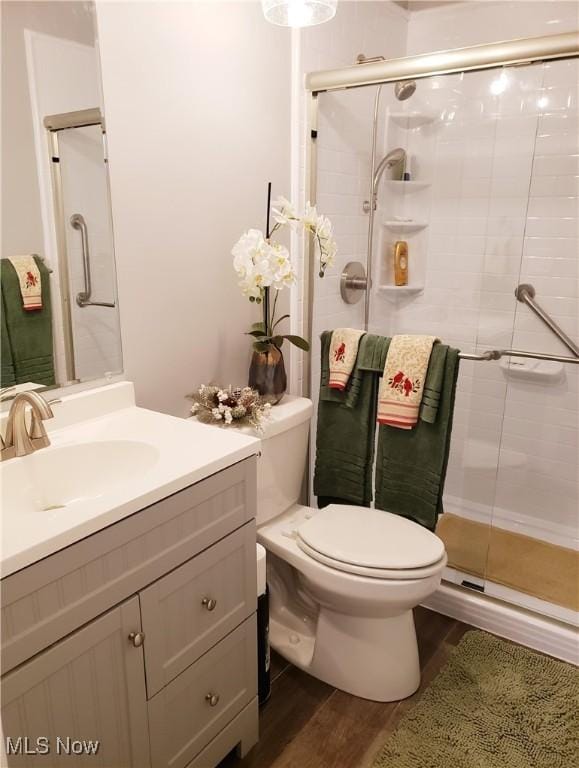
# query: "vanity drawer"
x,y
183,718
50,599
188,611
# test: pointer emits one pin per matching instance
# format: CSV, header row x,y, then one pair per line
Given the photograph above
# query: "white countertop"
x,y
179,453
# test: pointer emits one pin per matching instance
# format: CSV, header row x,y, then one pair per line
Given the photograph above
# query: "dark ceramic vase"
x,y
267,374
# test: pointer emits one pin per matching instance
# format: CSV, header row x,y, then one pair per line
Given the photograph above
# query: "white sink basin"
x,y
107,460
60,477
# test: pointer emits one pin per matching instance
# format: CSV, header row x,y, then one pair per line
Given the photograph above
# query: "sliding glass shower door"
x,y
489,201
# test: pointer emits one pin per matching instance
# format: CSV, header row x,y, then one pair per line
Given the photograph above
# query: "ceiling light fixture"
x,y
299,13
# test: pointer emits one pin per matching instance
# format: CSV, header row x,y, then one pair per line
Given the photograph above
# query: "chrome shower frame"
x,y
379,72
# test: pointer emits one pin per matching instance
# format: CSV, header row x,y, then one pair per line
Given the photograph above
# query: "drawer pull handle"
x,y
137,638
209,603
212,699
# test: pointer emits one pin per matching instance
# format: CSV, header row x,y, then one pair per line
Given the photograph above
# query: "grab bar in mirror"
x,y
83,299
526,294
496,354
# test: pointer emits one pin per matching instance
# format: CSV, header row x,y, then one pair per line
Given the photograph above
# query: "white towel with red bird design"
x,y
403,380
29,280
343,353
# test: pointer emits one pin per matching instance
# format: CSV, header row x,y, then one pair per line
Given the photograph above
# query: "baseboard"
x,y
516,624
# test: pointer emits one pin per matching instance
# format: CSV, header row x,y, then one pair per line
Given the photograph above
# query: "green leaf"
x,y
277,341
298,342
257,334
261,346
277,322
258,327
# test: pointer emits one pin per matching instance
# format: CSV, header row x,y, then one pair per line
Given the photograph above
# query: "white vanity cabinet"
x,y
141,636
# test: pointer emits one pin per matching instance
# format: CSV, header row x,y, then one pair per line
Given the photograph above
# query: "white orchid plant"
x,y
263,264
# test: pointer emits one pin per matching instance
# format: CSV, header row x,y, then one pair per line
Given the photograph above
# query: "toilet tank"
x,y
284,452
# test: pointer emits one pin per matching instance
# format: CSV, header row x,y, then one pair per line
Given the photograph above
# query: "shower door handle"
x,y
83,299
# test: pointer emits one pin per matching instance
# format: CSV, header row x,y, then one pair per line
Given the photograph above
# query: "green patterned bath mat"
x,y
494,705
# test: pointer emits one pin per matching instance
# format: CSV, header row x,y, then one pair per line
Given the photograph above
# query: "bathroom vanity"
x,y
139,634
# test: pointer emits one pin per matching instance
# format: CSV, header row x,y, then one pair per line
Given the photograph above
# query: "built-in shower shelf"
x,y
405,226
406,186
401,290
411,120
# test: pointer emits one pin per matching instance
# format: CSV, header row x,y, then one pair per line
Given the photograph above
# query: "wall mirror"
x,y
60,315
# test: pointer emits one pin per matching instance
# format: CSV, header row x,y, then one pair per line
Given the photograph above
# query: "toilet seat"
x,y
370,542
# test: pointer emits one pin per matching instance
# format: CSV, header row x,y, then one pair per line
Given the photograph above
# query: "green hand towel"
x,y
411,464
29,333
7,374
346,429
374,359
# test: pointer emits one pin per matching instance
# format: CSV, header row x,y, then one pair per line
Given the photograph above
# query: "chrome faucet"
x,y
18,440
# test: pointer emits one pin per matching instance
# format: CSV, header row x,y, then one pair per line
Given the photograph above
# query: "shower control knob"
x,y
209,603
212,699
137,638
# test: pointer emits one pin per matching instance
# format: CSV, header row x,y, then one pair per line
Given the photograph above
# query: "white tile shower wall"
x,y
473,23
541,423
344,152
344,145
503,200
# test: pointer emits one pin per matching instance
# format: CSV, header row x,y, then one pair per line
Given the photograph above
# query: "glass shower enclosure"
x,y
486,201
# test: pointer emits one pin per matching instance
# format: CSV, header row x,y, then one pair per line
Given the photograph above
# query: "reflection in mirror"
x,y
59,312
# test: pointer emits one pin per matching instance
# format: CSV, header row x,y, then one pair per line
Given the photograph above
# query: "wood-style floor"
x,y
308,724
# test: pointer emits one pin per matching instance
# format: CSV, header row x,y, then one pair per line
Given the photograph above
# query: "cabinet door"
x,y
89,687
188,611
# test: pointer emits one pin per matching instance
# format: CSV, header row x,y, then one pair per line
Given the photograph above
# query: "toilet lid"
x,y
370,538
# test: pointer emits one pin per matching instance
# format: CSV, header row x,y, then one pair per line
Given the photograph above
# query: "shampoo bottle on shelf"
x,y
401,262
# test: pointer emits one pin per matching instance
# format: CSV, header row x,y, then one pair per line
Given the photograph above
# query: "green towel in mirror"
x,y
28,334
7,374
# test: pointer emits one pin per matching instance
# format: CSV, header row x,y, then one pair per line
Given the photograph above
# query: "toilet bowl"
x,y
344,579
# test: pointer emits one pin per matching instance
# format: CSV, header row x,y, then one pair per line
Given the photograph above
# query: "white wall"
x,y
197,102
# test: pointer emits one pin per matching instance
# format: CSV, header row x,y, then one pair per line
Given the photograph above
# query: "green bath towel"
x,y
433,384
29,334
346,429
411,464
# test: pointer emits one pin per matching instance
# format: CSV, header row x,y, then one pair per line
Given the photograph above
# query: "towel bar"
x,y
496,354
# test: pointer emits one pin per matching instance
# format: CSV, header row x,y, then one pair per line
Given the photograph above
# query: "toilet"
x,y
343,580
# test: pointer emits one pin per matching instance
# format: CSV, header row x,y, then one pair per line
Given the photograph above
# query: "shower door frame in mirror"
x,y
54,125
496,57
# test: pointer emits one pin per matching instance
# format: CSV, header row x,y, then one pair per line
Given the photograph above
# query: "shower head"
x,y
404,89
393,157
